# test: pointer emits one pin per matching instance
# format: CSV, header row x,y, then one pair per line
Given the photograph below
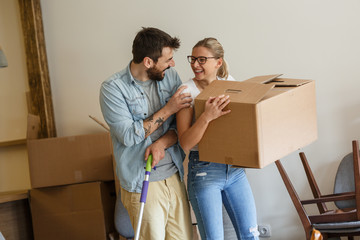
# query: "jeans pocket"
x,y
200,164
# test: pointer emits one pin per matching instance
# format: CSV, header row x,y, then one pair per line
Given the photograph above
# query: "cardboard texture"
x,y
270,118
68,160
79,211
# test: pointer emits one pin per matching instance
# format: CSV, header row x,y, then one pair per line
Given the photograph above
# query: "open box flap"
x,y
276,81
244,92
263,79
288,82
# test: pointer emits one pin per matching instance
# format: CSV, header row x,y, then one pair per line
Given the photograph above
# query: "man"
x,y
139,104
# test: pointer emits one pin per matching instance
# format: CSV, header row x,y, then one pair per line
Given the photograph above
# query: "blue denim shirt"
x,y
124,107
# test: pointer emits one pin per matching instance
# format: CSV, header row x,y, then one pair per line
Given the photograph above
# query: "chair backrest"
x,y
344,181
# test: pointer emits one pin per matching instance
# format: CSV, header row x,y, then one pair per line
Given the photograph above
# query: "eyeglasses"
x,y
201,60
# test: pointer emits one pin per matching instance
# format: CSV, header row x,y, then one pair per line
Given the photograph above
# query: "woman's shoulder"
x,y
190,85
189,82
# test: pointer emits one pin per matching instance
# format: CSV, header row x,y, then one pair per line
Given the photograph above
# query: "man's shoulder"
x,y
171,74
118,78
172,70
171,80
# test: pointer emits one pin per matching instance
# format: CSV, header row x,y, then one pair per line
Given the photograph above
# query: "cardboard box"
x,y
79,211
270,118
68,160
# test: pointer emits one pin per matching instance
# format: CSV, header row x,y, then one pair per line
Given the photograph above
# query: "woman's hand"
x,y
214,107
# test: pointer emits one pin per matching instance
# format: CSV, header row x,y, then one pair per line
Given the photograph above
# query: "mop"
x,y
143,195
143,191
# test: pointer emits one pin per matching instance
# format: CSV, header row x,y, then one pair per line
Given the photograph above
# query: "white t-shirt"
x,y
194,91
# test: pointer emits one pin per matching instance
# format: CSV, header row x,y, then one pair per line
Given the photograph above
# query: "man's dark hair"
x,y
149,42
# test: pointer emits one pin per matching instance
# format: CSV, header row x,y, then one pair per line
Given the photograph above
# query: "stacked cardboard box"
x,y
73,194
270,118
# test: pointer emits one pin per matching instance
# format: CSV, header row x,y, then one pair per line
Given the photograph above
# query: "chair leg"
x,y
312,182
295,199
351,238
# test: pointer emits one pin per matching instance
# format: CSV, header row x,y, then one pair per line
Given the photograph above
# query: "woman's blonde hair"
x,y
218,51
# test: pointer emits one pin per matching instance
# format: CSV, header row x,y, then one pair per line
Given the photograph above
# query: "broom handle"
x,y
143,195
100,123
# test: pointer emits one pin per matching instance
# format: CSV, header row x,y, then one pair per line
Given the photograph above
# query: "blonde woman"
x,y
212,184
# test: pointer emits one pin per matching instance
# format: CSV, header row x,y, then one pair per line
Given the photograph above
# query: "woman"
x,y
212,184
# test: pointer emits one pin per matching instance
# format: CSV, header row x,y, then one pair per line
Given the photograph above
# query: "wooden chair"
x,y
331,223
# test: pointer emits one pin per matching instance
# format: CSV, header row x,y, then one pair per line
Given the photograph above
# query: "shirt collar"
x,y
130,77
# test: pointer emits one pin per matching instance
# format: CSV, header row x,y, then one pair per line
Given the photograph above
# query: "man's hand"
x,y
158,152
179,101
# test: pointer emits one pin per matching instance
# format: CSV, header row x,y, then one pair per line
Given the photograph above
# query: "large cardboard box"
x,y
80,211
270,118
68,160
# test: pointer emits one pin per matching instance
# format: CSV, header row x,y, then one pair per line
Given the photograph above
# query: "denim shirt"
x,y
124,107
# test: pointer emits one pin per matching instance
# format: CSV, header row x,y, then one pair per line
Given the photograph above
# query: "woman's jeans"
x,y
212,184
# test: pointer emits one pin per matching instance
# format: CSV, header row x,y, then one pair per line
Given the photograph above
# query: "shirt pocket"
x,y
136,107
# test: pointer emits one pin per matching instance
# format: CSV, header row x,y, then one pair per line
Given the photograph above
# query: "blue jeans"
x,y
212,184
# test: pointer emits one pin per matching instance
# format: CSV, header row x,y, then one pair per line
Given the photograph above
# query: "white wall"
x,y
88,40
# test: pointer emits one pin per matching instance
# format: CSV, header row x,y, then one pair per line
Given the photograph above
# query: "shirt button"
x,y
145,114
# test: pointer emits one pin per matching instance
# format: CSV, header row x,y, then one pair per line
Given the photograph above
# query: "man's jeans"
x,y
212,184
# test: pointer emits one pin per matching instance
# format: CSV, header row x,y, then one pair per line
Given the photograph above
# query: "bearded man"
x,y
139,103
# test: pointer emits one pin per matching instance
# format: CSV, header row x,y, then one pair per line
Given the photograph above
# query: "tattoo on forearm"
x,y
147,130
159,121
150,119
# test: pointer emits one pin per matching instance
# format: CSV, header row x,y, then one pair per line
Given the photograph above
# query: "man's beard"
x,y
155,74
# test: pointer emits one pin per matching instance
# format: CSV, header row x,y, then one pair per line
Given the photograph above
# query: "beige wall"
x,y
88,40
14,172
